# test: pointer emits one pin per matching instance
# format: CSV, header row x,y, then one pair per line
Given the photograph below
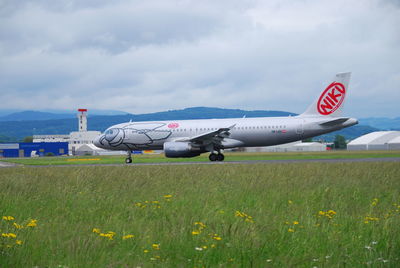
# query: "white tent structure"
x,y
309,147
379,140
394,144
91,149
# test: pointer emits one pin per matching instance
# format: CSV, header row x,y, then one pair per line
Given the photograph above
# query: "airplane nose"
x,y
96,141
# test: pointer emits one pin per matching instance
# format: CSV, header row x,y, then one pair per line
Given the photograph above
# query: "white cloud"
x,y
157,55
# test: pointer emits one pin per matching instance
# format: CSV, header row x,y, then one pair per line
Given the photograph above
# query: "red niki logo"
x,y
331,99
173,125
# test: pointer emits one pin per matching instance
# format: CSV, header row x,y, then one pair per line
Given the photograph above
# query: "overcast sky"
x,y
148,56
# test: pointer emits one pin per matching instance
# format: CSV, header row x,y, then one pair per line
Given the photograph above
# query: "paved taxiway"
x,y
6,164
287,161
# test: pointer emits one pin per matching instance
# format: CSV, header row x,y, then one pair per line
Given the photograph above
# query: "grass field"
x,y
275,215
236,156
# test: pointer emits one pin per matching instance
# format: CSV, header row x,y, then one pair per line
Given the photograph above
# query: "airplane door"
x,y
300,127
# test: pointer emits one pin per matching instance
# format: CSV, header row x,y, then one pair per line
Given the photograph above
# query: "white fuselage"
x,y
243,132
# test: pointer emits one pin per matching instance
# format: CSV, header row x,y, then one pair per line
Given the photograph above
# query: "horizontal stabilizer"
x,y
333,122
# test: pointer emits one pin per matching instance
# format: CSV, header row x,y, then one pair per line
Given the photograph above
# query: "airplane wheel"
x,y
213,157
128,160
220,157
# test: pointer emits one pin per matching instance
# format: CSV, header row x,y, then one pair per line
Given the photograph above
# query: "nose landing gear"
x,y
216,157
128,159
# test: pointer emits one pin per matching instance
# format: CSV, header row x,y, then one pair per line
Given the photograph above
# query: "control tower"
x,y
82,120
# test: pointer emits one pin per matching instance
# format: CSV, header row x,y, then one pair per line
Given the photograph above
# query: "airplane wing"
x,y
215,136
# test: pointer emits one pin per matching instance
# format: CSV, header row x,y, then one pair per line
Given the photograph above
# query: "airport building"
x,y
379,140
75,139
31,149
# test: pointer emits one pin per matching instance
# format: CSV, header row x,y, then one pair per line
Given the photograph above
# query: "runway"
x,y
6,164
243,162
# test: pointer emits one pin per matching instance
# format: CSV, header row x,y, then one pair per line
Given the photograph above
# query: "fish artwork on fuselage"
x,y
134,135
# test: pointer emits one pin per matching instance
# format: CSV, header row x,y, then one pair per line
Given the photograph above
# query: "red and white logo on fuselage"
x,y
173,125
331,99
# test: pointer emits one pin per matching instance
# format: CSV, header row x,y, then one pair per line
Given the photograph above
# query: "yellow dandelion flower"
x,y
127,236
18,226
291,230
243,215
295,222
200,224
168,196
96,230
107,235
195,232
331,212
369,218
216,237
249,220
156,246
8,218
239,214
19,242
10,235
146,251
32,223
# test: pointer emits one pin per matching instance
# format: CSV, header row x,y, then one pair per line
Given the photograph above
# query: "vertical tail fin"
x,y
331,100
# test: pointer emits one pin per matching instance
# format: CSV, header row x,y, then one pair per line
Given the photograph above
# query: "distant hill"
x,y
34,115
382,123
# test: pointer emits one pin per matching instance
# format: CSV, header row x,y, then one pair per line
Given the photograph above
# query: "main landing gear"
x,y
128,159
216,157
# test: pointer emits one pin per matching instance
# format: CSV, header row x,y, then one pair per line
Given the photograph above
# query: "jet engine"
x,y
181,149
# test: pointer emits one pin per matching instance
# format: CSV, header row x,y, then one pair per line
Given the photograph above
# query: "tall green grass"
x,y
258,215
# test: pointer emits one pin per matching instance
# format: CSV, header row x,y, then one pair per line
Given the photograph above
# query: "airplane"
x,y
190,138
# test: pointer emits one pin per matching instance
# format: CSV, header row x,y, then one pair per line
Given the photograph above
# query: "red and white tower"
x,y
82,119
